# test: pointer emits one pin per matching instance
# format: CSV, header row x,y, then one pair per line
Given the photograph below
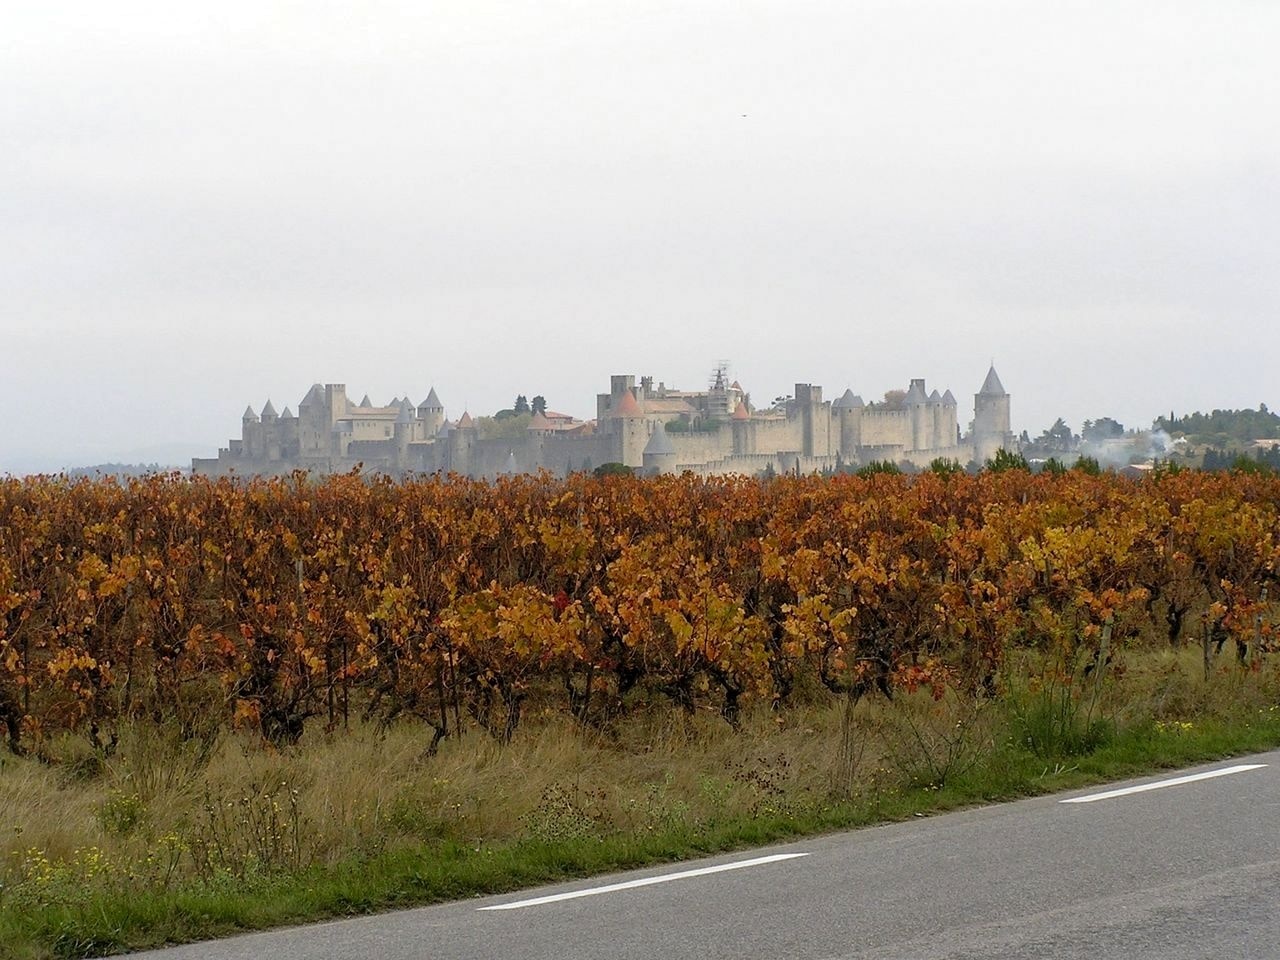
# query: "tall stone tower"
x,y
744,432
991,430
950,426
462,444
631,429
607,403
815,420
535,444
335,396
403,434
431,413
848,410
270,432
314,424
917,402
251,433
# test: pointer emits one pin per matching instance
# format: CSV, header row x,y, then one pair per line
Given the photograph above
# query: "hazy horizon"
x,y
203,209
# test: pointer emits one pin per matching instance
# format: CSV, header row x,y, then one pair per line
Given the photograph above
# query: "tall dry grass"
x,y
161,811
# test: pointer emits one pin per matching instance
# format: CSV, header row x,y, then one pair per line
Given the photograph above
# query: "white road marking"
x,y
1159,784
645,882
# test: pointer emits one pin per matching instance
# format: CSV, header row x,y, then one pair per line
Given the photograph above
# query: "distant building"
x,y
652,428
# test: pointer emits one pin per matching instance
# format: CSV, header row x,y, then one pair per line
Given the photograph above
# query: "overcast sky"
x,y
206,205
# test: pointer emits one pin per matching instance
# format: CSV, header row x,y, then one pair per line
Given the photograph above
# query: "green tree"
x,y
945,467
539,404
611,469
508,427
1088,466
1224,427
1104,428
1059,434
878,466
521,405
1054,466
1006,460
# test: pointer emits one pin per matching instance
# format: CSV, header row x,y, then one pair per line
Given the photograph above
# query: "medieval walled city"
x,y
649,428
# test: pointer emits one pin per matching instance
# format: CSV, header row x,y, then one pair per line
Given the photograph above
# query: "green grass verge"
x,y
452,871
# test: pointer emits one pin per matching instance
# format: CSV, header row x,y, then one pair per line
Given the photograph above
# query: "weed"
x,y
121,812
566,813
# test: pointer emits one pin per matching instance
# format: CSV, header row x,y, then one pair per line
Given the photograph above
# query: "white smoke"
x,y
1136,446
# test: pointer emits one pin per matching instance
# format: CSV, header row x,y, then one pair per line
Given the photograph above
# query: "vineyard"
x,y
291,605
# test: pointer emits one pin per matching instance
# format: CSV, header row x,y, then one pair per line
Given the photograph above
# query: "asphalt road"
x,y
1188,870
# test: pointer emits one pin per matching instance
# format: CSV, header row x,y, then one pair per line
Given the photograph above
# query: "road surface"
x,y
1188,869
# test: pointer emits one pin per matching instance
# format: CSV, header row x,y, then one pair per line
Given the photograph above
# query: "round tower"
x,y
536,436
744,438
950,427
991,430
431,413
251,433
848,410
631,429
917,402
659,453
462,444
935,420
403,433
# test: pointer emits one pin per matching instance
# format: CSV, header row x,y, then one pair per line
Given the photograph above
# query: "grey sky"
x,y
203,209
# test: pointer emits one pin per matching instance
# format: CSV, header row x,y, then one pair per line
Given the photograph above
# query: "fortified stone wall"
x,y
886,427
702,446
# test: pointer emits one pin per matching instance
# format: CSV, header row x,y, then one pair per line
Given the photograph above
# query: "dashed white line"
x,y
1160,784
644,882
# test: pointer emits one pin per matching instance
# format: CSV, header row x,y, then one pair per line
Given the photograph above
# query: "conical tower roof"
x,y
432,402
249,414
446,428
740,412
845,401
365,401
465,422
992,387
935,397
916,393
627,406
269,410
659,443
287,414
949,398
314,396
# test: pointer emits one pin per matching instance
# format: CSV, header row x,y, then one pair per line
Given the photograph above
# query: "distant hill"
x,y
121,470
162,457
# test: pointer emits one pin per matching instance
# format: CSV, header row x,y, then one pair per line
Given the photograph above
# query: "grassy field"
x,y
168,840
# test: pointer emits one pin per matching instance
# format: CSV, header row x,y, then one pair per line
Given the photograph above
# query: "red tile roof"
x,y
627,406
